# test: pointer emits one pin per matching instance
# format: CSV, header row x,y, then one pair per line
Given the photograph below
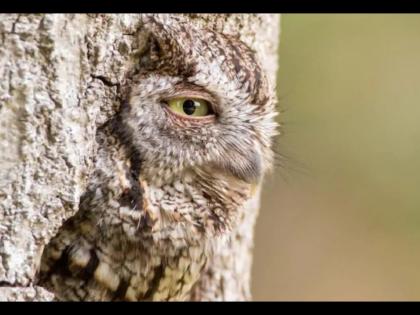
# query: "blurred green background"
x,y
340,217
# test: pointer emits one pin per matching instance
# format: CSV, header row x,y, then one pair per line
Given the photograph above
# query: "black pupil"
x,y
189,107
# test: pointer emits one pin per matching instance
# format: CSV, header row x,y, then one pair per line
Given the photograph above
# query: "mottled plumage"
x,y
166,186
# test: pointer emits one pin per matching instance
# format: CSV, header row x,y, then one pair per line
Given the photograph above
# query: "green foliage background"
x,y
340,216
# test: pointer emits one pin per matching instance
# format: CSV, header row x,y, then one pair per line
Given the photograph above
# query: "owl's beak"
x,y
254,188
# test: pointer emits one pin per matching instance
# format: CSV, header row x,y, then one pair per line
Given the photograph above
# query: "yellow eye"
x,y
190,107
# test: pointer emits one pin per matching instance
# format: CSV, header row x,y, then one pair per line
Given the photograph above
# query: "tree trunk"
x,y
62,78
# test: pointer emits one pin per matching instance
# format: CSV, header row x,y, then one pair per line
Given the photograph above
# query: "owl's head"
x,y
201,119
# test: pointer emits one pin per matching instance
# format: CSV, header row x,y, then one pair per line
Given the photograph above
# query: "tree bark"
x,y
62,78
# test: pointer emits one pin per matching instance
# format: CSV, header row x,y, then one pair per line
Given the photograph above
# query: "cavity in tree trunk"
x,y
63,77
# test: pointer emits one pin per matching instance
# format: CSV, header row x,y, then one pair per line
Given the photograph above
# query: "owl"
x,y
174,168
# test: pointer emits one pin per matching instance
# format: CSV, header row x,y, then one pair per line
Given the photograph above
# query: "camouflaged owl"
x,y
175,168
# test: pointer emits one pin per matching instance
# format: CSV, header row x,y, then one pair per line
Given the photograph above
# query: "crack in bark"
x,y
6,284
13,30
105,80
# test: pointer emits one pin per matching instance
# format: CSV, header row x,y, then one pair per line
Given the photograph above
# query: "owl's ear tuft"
x,y
161,51
151,53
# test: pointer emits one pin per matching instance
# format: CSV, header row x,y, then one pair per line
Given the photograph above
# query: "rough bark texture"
x,y
62,77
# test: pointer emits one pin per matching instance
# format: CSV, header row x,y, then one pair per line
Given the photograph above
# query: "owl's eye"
x,y
190,107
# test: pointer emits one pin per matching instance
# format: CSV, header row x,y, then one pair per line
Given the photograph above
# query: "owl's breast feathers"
x,y
90,260
107,252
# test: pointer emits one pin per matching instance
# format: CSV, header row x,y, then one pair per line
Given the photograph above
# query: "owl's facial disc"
x,y
201,118
199,170
194,107
194,129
